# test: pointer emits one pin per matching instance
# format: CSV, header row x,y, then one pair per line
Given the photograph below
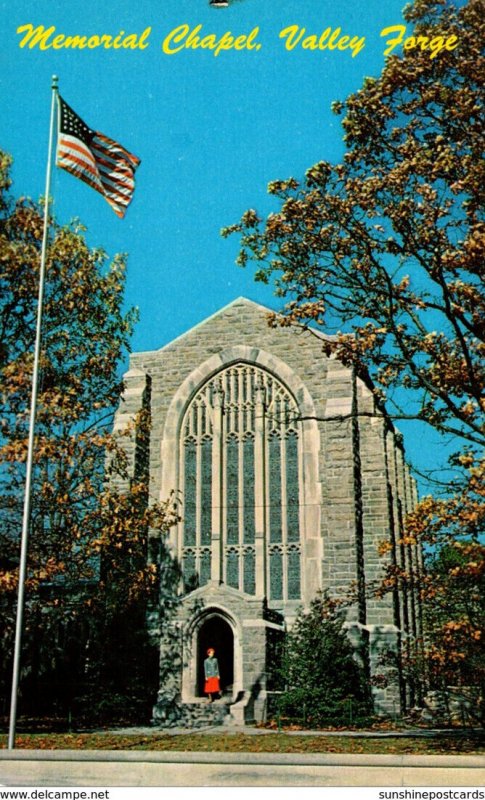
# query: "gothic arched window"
x,y
241,485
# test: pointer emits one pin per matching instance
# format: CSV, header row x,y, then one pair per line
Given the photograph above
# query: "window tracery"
x,y
240,442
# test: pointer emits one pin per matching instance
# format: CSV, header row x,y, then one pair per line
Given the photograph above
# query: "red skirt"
x,y
212,686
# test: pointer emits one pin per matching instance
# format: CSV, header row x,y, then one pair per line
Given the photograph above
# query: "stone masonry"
x,y
346,476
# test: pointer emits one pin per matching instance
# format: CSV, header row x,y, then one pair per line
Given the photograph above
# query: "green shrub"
x,y
322,681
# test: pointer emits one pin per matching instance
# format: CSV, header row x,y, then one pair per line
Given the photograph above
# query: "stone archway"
x,y
310,508
216,632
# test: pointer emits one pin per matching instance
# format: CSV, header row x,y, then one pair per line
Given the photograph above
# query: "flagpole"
x,y
30,447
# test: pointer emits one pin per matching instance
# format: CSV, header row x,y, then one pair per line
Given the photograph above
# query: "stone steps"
x,y
198,715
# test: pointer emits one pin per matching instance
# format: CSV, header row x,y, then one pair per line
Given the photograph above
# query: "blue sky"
x,y
211,132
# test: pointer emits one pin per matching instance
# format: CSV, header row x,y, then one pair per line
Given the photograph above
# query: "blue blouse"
x,y
211,667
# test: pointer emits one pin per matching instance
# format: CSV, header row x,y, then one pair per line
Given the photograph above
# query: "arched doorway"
x,y
216,632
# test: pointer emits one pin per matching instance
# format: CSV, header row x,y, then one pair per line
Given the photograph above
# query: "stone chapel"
x,y
288,479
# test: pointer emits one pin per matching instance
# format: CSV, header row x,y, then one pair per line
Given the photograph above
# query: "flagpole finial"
x,y
55,81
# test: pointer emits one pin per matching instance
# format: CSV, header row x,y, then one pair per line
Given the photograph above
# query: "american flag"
x,y
96,159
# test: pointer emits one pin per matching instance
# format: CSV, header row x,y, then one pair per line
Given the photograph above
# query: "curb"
x,y
297,759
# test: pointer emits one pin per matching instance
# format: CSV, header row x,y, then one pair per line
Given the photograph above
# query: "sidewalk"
x,y
115,768
256,731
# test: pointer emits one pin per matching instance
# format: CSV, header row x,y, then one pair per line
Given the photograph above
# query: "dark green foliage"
x,y
323,682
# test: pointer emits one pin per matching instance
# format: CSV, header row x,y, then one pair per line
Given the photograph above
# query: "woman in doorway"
x,y
212,677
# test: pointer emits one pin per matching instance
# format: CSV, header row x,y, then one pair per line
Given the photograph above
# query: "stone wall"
x,y
358,485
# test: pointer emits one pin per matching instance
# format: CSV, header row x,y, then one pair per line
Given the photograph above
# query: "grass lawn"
x,y
444,744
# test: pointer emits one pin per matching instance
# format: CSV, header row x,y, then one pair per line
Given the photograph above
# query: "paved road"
x,y
100,768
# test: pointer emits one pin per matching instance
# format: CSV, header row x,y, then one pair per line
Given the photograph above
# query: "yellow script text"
x,y
434,44
328,40
44,39
183,38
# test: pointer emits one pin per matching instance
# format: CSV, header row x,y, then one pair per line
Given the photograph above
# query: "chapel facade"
x,y
288,480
